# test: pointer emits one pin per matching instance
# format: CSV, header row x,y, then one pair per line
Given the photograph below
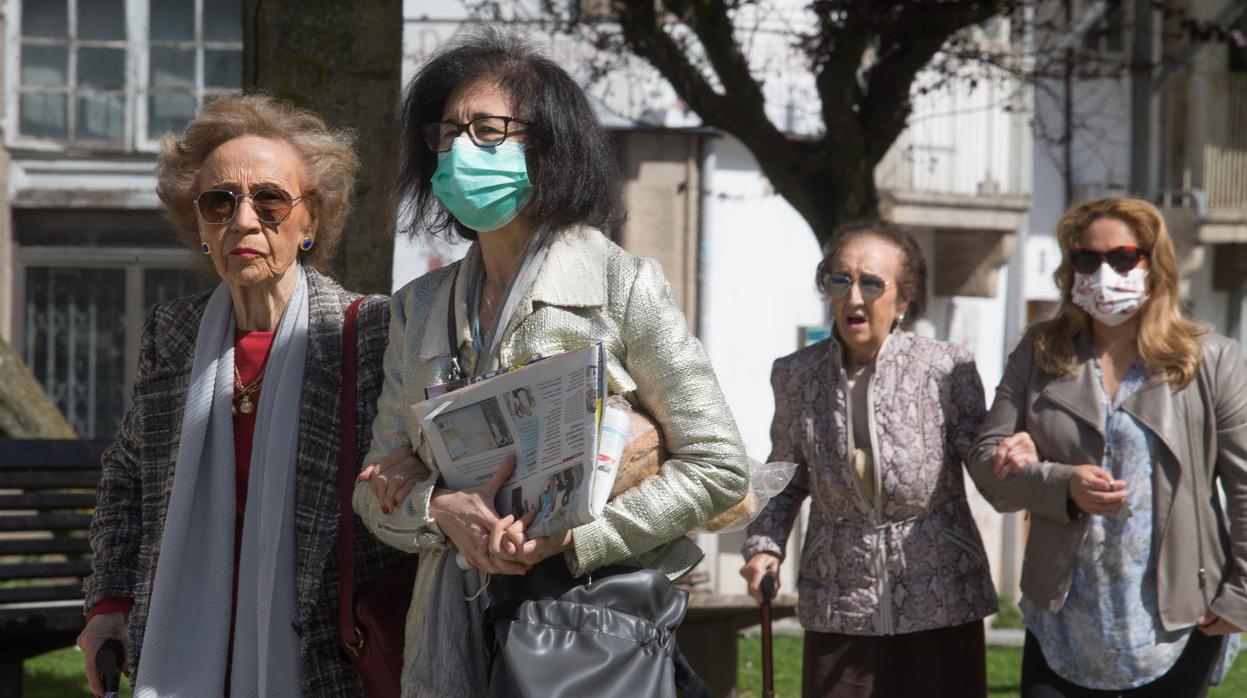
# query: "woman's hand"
x,y
105,626
395,477
1014,453
1213,624
510,544
1095,491
758,567
469,519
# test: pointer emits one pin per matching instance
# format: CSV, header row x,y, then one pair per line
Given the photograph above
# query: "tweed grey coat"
x,y
133,494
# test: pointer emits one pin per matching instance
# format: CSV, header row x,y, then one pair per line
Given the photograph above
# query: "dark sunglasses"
x,y
872,286
219,206
1121,259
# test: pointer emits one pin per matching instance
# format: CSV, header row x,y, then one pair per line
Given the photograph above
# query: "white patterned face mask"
x,y
1108,296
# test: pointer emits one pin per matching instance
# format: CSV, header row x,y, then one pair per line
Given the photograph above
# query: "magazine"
x,y
552,416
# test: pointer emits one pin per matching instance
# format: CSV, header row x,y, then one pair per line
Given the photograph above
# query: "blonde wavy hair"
x,y
1167,341
328,173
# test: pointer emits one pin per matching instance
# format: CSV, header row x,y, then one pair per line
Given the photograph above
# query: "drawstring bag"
x,y
613,637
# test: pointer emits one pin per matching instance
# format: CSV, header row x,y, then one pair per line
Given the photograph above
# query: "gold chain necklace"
x,y
245,405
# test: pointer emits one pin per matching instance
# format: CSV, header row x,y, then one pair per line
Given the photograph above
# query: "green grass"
x,y
59,674
1004,671
1009,615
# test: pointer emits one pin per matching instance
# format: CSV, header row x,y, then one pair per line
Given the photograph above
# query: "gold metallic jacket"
x,y
587,290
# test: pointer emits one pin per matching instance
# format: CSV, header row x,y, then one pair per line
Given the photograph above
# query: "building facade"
x,y
90,86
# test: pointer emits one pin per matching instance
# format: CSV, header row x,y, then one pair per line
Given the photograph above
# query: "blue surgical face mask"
x,y
483,188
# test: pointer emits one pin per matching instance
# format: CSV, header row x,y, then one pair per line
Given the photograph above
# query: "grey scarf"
x,y
187,636
450,654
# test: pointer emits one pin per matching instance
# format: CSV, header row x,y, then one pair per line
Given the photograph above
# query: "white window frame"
x,y
199,92
13,77
137,75
1101,51
134,260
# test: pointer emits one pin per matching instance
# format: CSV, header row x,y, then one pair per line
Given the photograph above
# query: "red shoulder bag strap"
x,y
347,632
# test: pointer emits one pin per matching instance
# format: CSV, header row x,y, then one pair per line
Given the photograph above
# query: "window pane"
x,y
43,115
45,18
172,67
75,343
101,117
102,19
169,111
162,285
102,68
223,20
173,19
223,69
44,65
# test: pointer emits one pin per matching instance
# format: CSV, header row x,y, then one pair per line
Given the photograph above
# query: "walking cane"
x,y
768,676
108,661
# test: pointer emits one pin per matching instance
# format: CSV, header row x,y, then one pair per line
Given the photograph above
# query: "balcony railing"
x,y
1225,153
962,142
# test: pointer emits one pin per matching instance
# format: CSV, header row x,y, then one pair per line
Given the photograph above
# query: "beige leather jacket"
x,y
915,561
587,290
1201,432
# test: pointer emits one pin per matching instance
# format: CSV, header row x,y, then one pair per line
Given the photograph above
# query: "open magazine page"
x,y
546,414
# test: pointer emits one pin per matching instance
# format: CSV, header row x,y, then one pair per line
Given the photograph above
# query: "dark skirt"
x,y
940,662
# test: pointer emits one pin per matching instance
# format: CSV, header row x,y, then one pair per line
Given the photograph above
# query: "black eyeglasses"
x,y
1121,259
485,131
872,286
219,206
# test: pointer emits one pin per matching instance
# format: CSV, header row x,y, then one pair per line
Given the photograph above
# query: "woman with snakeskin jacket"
x,y
893,579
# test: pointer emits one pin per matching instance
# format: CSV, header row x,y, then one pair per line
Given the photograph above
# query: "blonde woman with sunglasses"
x,y
217,514
893,580
1113,425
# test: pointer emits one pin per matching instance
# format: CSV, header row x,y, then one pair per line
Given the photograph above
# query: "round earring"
x,y
203,247
306,244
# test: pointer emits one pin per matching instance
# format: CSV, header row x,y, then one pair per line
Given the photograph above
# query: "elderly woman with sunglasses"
x,y
893,580
217,514
1112,426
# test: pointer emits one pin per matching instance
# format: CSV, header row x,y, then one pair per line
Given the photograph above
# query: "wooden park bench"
x,y
47,492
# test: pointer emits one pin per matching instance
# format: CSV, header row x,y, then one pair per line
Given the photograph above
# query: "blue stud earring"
x,y
306,244
203,247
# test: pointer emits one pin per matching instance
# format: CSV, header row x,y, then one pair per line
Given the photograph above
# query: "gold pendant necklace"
x,y
245,404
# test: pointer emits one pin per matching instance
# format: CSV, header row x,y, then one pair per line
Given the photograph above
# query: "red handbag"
x,y
371,622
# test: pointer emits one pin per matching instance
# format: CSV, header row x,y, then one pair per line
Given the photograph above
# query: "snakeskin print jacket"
x,y
915,560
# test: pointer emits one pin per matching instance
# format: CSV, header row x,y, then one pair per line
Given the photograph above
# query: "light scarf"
x,y
451,658
188,625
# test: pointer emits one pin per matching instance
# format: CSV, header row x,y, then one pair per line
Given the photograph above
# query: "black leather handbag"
x,y
613,637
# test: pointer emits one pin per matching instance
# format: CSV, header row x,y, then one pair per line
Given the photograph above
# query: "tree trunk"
x,y
343,61
25,410
827,190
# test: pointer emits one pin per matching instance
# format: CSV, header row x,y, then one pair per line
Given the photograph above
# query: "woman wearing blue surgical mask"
x,y
503,149
1113,426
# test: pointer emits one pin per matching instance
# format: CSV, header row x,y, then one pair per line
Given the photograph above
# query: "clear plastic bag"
x,y
765,481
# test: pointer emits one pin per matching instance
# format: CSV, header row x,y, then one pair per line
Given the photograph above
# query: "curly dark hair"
x,y
912,283
571,161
